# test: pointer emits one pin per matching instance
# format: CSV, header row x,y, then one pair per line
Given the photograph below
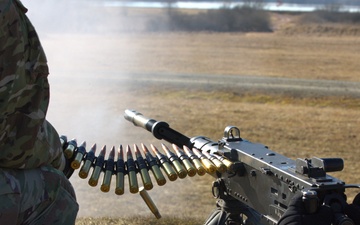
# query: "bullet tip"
x,y
112,151
103,150
128,151
145,149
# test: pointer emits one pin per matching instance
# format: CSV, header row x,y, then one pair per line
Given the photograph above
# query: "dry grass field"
x,y
295,127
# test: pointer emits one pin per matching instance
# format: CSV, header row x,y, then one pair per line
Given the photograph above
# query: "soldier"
x,y
33,187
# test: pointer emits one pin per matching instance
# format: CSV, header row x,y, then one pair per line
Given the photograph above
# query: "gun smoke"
x,y
83,43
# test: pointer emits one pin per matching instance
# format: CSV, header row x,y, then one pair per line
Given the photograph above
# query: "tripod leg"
x,y
230,211
220,216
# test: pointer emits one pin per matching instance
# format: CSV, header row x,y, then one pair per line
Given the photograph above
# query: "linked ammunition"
x,y
70,148
180,170
149,202
224,160
120,171
191,171
165,164
89,159
99,163
145,177
133,183
209,167
152,164
81,150
196,161
109,168
63,141
218,164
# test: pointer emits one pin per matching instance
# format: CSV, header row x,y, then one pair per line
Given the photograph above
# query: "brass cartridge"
x,y
191,170
179,168
89,159
75,164
209,167
63,141
224,160
131,168
109,168
170,172
70,148
152,163
140,162
149,202
99,163
218,164
196,161
120,171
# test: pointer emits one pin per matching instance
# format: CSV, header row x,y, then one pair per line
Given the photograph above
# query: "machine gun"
x,y
258,185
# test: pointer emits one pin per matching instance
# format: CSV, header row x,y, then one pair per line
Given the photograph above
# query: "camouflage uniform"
x,y
32,188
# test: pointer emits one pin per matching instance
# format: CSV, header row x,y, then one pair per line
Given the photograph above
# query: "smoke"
x,y
83,41
89,91
79,17
89,47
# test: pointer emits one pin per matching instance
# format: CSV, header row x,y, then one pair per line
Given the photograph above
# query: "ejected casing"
x,y
109,168
191,170
209,167
149,202
152,163
99,163
89,159
225,161
145,177
180,170
133,183
196,161
170,172
81,150
70,148
120,171
218,164
63,141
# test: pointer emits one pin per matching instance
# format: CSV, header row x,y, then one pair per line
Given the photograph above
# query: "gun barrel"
x,y
138,119
160,129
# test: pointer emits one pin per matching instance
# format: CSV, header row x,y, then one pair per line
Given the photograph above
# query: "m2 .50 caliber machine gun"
x,y
260,183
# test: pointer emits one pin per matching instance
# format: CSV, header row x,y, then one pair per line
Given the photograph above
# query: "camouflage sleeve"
x,y
27,140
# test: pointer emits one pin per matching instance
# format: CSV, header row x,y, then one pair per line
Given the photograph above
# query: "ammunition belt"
x,y
175,163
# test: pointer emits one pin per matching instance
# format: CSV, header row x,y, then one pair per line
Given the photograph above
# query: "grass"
x,y
255,54
139,221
